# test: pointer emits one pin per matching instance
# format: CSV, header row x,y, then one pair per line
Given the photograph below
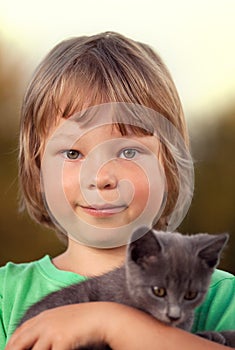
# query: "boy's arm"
x,y
122,327
137,331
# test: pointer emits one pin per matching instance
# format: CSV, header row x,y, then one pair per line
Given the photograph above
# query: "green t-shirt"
x,y
23,284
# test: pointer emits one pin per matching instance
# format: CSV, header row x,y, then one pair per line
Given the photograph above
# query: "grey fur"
x,y
178,263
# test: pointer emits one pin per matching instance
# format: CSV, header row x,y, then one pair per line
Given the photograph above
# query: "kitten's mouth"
x,y
175,323
170,321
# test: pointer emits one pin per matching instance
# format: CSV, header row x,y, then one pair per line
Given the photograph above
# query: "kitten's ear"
x,y
144,247
211,247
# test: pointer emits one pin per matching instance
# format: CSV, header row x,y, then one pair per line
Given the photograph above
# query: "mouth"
x,y
103,210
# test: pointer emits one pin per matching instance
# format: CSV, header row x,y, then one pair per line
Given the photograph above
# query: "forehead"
x,y
71,132
129,115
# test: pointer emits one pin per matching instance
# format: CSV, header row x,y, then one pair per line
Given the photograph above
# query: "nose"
x,y
173,318
105,178
174,313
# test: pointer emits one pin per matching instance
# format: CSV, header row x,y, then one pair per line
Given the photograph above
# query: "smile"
x,y
102,211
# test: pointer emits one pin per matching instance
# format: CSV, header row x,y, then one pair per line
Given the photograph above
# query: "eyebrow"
x,y
64,136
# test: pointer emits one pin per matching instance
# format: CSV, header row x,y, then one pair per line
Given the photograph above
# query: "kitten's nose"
x,y
173,318
174,313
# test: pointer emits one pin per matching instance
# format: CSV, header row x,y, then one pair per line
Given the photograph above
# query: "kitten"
x,y
165,274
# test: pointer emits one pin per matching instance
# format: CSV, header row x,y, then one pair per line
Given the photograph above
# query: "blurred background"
x,y
196,39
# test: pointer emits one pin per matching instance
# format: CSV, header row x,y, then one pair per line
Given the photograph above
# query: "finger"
x,y
65,344
18,343
22,339
42,344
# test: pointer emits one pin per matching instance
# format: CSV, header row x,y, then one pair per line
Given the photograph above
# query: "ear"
x,y
211,248
144,247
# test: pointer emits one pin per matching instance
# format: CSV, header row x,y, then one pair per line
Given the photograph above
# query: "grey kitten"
x,y
165,274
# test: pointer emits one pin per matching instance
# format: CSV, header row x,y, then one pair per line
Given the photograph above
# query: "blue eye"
x,y
129,153
72,154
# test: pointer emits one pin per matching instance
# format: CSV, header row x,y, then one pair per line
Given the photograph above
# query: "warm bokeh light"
x,y
195,38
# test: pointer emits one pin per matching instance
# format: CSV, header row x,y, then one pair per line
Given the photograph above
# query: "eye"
x,y
72,154
129,153
159,292
190,295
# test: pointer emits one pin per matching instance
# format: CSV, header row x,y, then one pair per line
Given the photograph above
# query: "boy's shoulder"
x,y
35,271
17,271
23,284
217,310
16,268
221,276
222,288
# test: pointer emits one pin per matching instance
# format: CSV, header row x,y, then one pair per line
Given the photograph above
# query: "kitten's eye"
x,y
72,154
190,295
159,292
129,153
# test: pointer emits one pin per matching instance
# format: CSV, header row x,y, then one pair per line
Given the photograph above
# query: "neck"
x,y
89,261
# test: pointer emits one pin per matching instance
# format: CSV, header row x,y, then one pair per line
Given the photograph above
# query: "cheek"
x,y
137,184
141,188
148,190
70,181
57,184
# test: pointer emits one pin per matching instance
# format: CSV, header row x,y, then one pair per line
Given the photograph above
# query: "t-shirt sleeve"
x,y
21,285
2,328
217,313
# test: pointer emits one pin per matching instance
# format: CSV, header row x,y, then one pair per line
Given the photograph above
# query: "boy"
x,y
56,169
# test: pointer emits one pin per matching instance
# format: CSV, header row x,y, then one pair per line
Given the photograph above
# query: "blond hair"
x,y
86,71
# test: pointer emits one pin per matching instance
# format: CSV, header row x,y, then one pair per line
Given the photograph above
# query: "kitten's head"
x,y
168,274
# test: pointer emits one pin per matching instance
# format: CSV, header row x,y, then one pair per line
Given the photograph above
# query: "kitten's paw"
x,y
226,338
213,336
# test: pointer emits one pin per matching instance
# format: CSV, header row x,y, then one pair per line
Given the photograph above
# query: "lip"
x,y
104,210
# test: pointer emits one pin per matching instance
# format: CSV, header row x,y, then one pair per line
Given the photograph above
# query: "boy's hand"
x,y
120,326
62,328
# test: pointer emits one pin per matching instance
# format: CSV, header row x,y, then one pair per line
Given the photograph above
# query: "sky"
x,y
196,39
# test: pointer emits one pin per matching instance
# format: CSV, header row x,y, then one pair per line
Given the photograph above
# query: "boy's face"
x,y
99,185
